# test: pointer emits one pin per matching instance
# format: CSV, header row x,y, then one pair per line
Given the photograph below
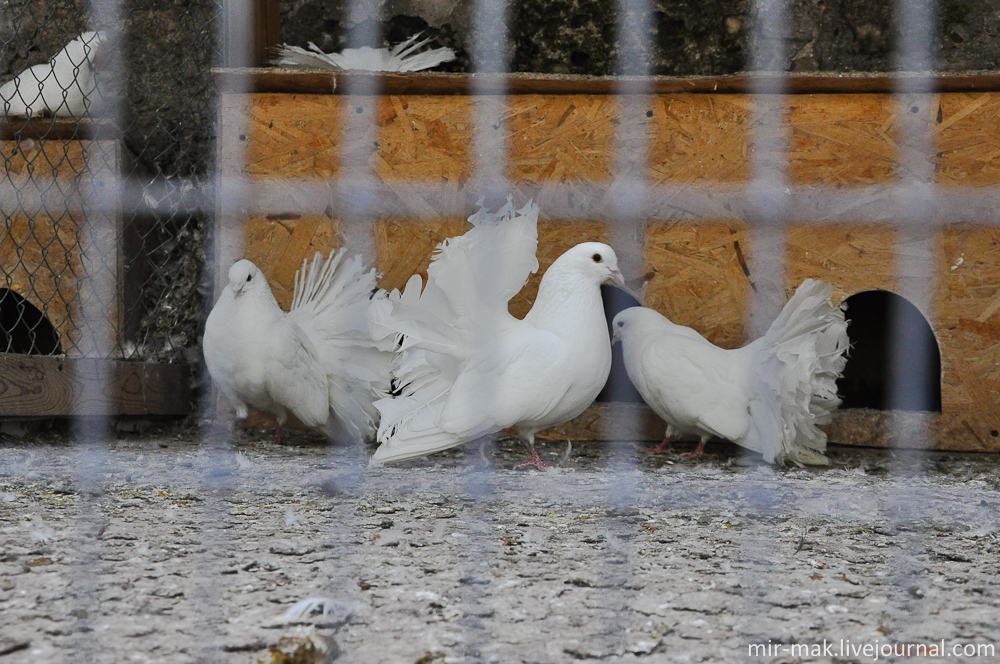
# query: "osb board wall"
x,y
698,272
40,254
279,243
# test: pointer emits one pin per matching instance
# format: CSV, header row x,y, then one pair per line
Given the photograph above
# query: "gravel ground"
x,y
162,548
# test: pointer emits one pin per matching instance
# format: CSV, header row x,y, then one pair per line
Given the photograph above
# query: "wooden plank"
x,y
267,25
862,427
32,386
65,129
273,79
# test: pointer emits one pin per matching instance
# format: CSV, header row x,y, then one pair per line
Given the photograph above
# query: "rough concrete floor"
x,y
160,548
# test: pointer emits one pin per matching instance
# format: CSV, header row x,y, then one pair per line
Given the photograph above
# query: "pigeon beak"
x,y
616,337
617,277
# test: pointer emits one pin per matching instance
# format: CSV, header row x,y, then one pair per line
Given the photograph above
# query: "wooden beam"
x,y
32,386
61,129
317,81
861,427
267,23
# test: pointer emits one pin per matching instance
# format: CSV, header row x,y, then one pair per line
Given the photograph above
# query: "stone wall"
x,y
691,37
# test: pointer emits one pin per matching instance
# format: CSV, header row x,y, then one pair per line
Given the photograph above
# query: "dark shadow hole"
x,y
24,329
618,387
895,362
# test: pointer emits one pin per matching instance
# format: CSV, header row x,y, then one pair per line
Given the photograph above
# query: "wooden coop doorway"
x,y
24,328
895,361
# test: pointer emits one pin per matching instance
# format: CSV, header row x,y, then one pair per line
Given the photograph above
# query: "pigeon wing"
x,y
502,384
294,377
699,384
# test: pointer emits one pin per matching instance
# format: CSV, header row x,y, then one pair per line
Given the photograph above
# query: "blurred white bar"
x,y
694,202
769,204
360,106
490,56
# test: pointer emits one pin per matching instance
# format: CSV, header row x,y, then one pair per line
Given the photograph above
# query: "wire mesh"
x,y
150,233
63,140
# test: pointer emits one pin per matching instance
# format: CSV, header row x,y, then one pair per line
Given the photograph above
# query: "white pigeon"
x,y
769,396
65,86
467,367
405,56
318,359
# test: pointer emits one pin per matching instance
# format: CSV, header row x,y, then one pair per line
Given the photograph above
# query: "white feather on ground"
x,y
466,367
770,396
315,361
65,86
405,56
323,606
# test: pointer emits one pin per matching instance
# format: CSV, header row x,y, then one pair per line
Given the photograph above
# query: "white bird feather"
x,y
315,361
466,367
405,56
65,86
770,396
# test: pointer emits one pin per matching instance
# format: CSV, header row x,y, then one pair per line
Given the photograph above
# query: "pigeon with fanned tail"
x,y
467,368
770,396
405,56
317,362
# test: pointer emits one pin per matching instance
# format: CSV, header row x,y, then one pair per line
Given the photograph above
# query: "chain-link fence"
x,y
127,108
191,550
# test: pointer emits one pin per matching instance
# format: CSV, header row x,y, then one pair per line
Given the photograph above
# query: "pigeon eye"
x,y
249,277
597,258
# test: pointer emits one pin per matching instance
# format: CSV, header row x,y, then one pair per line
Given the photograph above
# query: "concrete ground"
x,y
163,548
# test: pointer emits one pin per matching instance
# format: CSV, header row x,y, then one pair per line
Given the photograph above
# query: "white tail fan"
x,y
332,302
434,328
796,366
403,57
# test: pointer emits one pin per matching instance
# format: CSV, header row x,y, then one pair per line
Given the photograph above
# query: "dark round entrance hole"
x,y
618,387
24,329
895,362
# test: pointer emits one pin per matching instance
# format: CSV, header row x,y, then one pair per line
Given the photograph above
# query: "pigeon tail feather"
x,y
797,364
435,328
413,431
331,302
404,57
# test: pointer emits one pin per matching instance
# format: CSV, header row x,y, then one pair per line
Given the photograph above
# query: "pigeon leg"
x,y
482,449
277,434
662,448
536,460
699,451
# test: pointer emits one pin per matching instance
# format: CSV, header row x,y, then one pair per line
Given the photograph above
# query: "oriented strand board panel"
x,y
968,139
843,140
279,243
40,253
700,138
559,139
698,267
699,277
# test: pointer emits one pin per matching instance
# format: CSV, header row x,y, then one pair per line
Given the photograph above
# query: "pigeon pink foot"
x,y
699,451
662,448
536,460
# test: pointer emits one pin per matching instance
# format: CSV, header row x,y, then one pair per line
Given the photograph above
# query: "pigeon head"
x,y
245,277
595,260
628,321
